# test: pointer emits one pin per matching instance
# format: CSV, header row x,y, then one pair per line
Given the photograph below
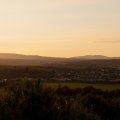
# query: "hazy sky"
x,y
60,27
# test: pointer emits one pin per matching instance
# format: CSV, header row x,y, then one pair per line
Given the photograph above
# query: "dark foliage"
x,y
30,100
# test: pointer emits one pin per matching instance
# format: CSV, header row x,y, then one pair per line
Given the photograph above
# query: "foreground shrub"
x,y
30,100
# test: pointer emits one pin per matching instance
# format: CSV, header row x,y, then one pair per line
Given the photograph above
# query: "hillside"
x,y
35,60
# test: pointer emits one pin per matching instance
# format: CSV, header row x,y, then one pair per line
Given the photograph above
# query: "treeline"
x,y
31,100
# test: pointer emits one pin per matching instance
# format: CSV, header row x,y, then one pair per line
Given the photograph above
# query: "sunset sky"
x,y
61,28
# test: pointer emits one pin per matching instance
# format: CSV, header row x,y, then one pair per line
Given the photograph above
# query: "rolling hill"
x,y
35,60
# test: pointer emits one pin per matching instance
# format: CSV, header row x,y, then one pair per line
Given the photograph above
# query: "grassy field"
x,y
83,85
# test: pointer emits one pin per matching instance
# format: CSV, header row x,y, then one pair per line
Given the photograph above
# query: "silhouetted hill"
x,y
35,60
19,59
21,56
91,57
94,57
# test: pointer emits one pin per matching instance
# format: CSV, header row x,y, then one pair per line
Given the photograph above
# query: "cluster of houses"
x,y
101,74
86,74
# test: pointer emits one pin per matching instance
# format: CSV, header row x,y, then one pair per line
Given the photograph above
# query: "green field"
x,y
83,85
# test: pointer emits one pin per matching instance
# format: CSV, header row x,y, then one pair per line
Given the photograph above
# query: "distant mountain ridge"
x,y
21,56
93,57
20,59
36,60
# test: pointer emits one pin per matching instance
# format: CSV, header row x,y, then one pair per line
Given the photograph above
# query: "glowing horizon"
x,y
63,28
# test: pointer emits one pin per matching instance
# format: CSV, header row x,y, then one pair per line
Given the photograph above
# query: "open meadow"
x,y
83,85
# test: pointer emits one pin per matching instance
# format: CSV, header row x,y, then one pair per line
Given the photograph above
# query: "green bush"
x,y
30,100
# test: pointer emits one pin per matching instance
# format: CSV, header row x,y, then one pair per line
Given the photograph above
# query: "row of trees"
x,y
30,100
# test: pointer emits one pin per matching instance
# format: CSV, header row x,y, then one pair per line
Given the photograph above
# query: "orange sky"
x,y
60,28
